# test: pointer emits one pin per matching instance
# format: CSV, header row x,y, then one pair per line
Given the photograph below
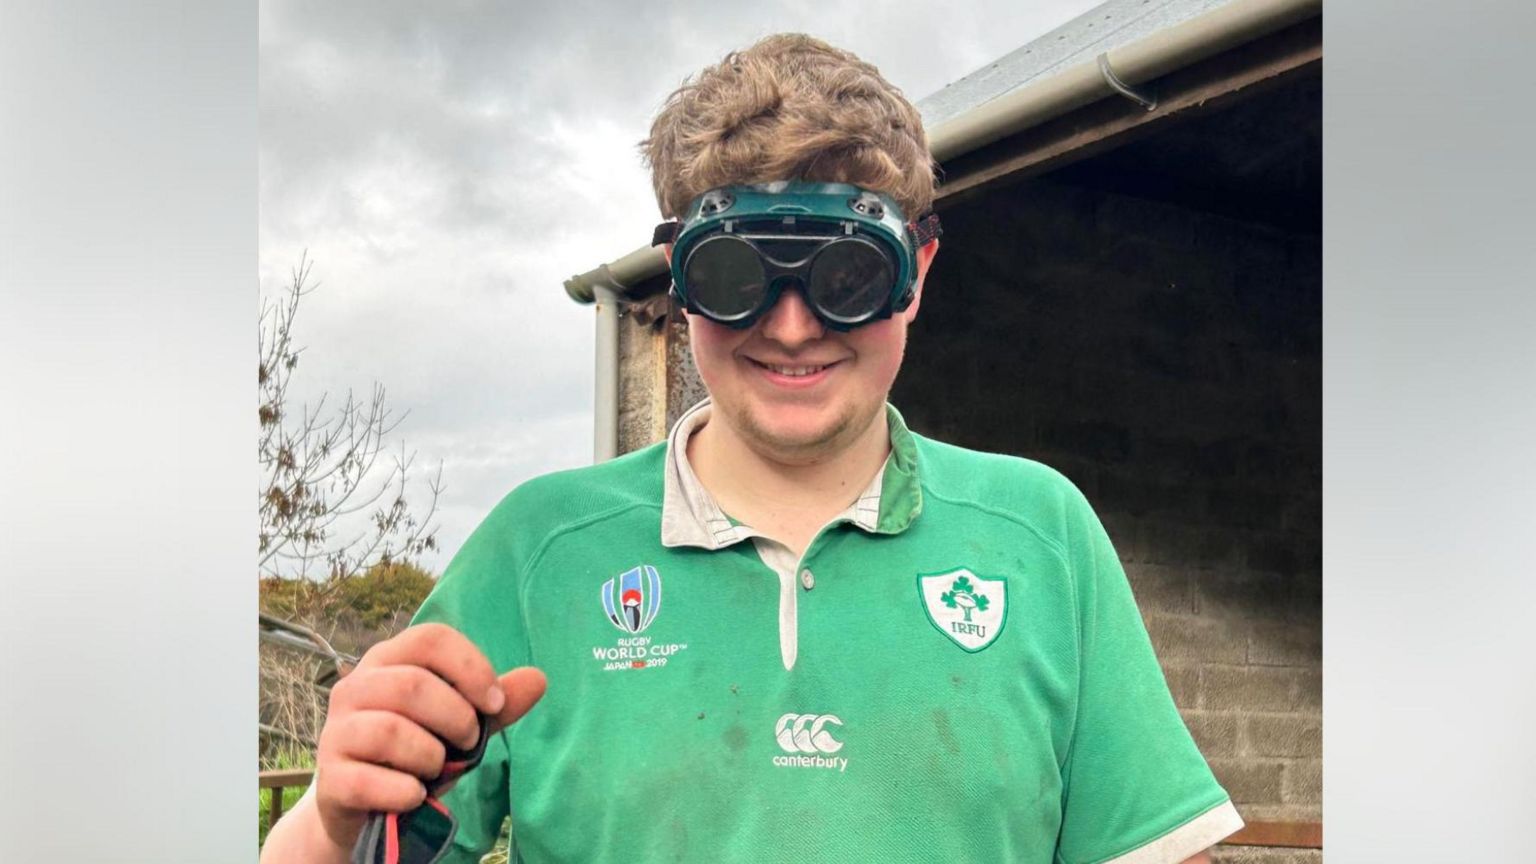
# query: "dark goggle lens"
x,y
851,279
724,277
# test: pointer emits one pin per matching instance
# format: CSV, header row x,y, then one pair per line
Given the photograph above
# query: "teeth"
x,y
795,371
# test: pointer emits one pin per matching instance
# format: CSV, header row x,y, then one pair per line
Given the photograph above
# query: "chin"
x,y
788,432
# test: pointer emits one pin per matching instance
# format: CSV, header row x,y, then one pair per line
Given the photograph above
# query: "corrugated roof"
x,y
1100,29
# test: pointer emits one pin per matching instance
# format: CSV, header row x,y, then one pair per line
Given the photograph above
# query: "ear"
x,y
925,255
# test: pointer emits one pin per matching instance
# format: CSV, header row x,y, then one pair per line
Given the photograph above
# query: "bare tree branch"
x,y
335,501
326,499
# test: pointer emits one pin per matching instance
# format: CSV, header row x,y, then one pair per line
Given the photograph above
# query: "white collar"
x,y
691,517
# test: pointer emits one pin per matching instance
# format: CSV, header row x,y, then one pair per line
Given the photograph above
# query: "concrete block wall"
x,y
1169,362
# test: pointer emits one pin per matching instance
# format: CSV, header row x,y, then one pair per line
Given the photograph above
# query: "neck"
x,y
788,499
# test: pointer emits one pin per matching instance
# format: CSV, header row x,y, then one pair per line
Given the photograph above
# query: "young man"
x,y
795,630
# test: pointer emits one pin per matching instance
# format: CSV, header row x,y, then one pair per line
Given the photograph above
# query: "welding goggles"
x,y
849,251
423,835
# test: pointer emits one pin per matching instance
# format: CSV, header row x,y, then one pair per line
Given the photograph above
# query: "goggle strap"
x,y
666,232
925,228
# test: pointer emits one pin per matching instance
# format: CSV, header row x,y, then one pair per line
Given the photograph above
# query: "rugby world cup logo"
x,y
633,598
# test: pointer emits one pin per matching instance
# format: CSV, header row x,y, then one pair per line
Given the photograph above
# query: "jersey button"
x,y
807,579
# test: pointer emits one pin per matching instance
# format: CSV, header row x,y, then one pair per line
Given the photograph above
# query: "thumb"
x,y
522,687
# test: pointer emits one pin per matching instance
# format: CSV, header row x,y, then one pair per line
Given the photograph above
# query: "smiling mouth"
x,y
792,371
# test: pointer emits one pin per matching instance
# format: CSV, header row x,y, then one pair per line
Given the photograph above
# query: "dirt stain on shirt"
x,y
736,738
946,734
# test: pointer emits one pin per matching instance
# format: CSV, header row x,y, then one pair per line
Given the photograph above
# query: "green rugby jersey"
x,y
955,670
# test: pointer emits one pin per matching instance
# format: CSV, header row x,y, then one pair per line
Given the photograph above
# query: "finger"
x,y
359,787
447,652
523,687
415,693
388,739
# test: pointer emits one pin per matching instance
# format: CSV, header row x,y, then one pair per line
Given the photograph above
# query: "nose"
x,y
790,322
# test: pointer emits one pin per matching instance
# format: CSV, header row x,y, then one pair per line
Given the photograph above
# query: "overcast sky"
x,y
448,165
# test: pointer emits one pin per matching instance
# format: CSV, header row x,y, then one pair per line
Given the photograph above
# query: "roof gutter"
x,y
1151,57
637,266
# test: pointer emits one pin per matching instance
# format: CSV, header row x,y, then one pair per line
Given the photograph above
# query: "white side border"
x,y
1191,838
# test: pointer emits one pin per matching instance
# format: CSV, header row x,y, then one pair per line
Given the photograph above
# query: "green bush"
x,y
352,612
387,594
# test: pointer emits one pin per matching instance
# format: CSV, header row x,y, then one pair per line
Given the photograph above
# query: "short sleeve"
x,y
477,595
1136,788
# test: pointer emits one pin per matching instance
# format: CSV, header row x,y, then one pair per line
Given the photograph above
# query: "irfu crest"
x,y
965,607
962,595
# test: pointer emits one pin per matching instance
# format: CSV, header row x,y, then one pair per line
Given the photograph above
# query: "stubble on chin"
x,y
794,450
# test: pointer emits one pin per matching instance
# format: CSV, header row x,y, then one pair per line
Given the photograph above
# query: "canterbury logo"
x,y
807,733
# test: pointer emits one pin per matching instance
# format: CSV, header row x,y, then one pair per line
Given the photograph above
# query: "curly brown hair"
x,y
791,107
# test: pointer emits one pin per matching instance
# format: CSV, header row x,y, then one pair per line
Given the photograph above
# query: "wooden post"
x,y
275,811
277,781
